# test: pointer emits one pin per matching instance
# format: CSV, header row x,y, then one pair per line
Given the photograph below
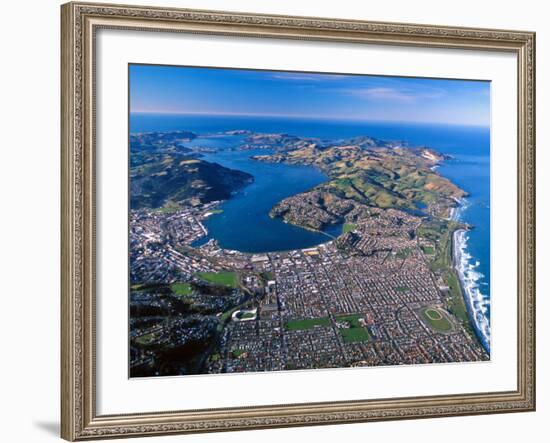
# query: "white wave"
x,y
456,212
478,303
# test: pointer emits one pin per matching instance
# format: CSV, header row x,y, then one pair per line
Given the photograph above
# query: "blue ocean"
x,y
245,225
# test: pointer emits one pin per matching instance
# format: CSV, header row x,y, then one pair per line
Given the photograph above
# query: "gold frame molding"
x,y
79,22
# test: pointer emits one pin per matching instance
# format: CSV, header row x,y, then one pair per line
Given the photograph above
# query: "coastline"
x,y
468,285
303,279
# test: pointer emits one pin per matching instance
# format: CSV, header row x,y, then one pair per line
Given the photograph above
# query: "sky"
x,y
216,91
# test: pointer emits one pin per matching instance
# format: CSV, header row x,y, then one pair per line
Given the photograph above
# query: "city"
x,y
370,296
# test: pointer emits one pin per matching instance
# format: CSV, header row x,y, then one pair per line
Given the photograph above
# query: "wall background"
x,y
29,220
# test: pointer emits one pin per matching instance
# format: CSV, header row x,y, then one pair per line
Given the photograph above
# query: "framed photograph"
x,y
282,221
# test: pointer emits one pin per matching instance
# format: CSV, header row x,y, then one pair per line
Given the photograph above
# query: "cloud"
x,y
394,94
296,76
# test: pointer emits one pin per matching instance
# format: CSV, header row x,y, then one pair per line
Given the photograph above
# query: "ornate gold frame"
x,y
79,420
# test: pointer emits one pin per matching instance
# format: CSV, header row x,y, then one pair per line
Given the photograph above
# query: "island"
x,y
380,289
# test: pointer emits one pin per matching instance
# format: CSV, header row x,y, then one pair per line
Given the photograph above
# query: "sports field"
x,y
245,315
356,332
436,319
181,288
308,323
354,335
223,278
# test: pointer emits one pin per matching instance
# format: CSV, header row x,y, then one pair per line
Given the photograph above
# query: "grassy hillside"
x,y
378,176
172,177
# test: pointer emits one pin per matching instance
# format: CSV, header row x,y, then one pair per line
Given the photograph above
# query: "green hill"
x,y
173,177
377,176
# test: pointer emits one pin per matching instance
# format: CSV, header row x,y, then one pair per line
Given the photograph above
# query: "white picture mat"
x,y
118,394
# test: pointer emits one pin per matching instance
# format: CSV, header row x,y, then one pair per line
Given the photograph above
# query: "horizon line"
x,y
310,117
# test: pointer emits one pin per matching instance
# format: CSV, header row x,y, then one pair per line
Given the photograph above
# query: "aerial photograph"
x,y
283,220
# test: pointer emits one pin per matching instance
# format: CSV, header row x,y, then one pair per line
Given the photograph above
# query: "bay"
x,y
245,225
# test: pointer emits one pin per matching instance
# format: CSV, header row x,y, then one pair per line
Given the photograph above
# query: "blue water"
x,y
244,222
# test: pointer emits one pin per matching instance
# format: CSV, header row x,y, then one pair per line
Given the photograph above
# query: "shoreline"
x,y
459,261
206,238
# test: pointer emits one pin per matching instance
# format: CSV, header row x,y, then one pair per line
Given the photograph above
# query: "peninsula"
x,y
381,291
